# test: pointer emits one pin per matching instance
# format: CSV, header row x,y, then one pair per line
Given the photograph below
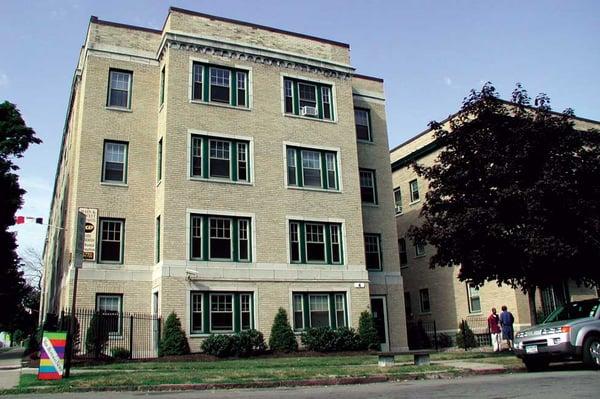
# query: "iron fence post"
x,y
131,337
435,337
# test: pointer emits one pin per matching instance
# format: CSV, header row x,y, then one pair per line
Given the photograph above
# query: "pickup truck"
x,y
571,332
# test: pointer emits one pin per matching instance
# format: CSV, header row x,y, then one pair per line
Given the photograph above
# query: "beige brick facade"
x,y
269,56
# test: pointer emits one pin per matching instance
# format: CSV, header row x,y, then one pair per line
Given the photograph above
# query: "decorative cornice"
x,y
260,56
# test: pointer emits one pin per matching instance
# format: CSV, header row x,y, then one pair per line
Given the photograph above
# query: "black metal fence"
x,y
422,334
99,335
480,328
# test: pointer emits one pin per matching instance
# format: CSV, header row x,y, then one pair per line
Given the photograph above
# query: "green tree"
x,y
15,138
97,335
174,341
282,336
367,332
514,196
465,338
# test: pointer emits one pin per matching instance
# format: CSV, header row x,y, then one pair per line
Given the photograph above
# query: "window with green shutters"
x,y
319,309
219,84
220,158
315,242
220,238
308,99
312,168
221,312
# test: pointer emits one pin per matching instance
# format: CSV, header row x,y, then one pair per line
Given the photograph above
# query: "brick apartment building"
x,y
225,170
438,294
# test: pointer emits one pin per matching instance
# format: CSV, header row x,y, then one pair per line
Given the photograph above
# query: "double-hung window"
x,y
419,248
398,200
219,84
109,307
362,121
220,238
373,251
157,234
368,187
315,242
219,158
162,86
414,190
220,312
159,160
119,88
402,252
310,99
474,300
111,240
424,299
312,168
319,309
114,168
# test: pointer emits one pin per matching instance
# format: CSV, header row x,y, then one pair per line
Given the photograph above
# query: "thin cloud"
x,y
3,79
448,81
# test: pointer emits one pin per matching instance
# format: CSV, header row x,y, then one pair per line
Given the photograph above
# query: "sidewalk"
x,y
10,367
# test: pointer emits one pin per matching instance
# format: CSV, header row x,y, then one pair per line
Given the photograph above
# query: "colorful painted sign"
x,y
52,356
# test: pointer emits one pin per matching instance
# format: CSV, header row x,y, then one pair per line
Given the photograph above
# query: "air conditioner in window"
x,y
398,209
310,111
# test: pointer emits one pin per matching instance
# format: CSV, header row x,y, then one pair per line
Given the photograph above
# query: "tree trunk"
x,y
532,308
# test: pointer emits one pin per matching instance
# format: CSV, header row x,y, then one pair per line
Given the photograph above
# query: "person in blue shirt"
x,y
506,321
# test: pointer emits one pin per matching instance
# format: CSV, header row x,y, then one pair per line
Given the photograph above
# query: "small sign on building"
x,y
52,356
89,241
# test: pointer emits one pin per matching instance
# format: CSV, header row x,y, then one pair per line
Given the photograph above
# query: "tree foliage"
x,y
514,196
174,341
15,138
367,331
282,336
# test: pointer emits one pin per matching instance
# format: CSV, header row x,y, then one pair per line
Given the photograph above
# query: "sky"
x,y
430,53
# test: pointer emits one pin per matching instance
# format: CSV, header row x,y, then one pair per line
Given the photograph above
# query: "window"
x,y
312,168
221,312
373,251
398,201
424,296
219,158
159,158
407,305
298,309
110,309
315,242
414,190
162,86
157,233
196,319
402,251
419,248
362,120
308,99
368,189
115,162
340,310
111,240
474,300
220,238
319,310
119,89
219,84
245,311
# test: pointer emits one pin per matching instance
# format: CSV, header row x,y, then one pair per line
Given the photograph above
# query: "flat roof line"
x,y
96,20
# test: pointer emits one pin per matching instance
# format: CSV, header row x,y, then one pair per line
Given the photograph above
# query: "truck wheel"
x,y
591,351
536,364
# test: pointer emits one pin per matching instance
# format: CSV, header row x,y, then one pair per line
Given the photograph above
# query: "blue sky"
x,y
430,53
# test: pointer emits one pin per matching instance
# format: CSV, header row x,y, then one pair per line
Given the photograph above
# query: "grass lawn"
x,y
261,369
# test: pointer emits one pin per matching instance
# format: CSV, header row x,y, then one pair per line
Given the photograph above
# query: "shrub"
x,y
367,332
325,339
219,345
120,353
96,336
249,342
282,336
174,341
17,337
347,339
32,345
465,338
444,340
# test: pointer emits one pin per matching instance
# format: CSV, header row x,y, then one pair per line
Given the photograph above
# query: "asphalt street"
x,y
548,385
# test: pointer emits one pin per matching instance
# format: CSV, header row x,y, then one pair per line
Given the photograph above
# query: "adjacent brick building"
x,y
226,170
438,294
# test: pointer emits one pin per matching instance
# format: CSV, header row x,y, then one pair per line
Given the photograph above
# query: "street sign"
x,y
52,355
79,239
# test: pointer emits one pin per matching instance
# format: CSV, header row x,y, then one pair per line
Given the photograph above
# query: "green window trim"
x,y
319,97
327,183
109,99
234,165
327,242
205,96
206,322
157,249
332,309
379,252
204,238
99,240
159,161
